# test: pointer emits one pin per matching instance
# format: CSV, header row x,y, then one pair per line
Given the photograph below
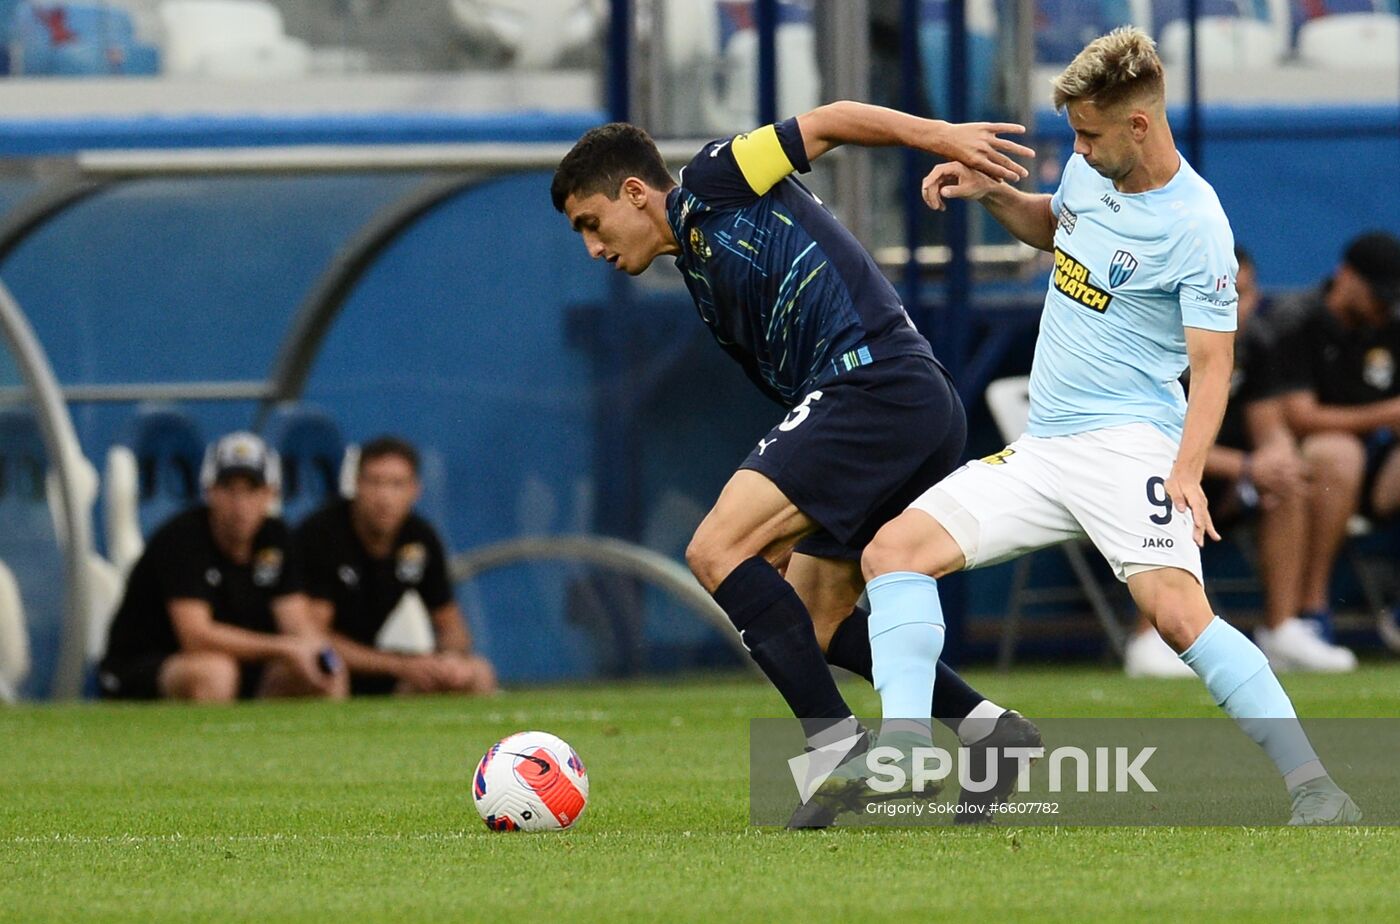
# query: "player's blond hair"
x,y
1113,68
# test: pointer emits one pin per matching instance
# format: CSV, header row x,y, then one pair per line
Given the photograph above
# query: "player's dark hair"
x,y
1243,257
383,446
603,158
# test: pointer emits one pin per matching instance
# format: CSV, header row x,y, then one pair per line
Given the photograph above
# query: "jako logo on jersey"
x,y
1068,219
1121,268
699,245
1109,201
1151,543
1072,279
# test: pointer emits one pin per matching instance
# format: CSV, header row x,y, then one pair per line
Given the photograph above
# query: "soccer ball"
x,y
530,781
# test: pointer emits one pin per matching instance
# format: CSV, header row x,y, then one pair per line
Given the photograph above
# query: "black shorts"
x,y
858,450
1228,505
138,677
372,684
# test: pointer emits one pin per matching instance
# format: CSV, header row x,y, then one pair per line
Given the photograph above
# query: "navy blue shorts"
x,y
857,451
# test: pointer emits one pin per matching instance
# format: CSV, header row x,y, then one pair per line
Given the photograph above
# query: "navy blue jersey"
x,y
784,288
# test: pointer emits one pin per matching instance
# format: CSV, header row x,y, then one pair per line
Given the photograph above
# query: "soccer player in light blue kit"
x,y
1143,285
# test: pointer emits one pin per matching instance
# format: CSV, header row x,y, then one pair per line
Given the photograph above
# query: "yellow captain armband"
x,y
761,158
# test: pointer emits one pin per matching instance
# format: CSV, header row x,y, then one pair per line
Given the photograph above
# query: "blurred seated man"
x,y
362,556
1336,359
213,610
1256,470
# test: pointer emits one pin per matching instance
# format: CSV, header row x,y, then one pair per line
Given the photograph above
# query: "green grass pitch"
x,y
361,811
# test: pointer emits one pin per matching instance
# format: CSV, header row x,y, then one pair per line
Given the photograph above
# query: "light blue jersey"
x,y
1132,272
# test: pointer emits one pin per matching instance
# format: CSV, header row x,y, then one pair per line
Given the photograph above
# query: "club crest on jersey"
x,y
413,560
1068,219
1120,268
1379,368
267,567
698,245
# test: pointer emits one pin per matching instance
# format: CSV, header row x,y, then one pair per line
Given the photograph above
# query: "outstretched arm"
x,y
1026,215
975,143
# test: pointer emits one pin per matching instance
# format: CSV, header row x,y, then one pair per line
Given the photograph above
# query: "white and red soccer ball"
x,y
530,781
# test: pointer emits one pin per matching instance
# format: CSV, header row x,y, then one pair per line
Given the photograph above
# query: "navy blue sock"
x,y
777,630
849,648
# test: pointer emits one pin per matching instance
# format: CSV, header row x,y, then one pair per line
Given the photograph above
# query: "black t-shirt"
x,y
1340,365
182,562
364,590
1254,378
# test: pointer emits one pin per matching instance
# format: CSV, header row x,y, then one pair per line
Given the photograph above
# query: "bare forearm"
x,y
1026,215
1361,420
242,644
363,659
1210,390
1224,462
850,122
450,630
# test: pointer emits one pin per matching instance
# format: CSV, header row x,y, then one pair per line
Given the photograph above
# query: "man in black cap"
x,y
214,610
1335,360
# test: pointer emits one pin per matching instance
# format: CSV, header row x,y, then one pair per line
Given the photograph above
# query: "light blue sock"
x,y
1238,676
906,638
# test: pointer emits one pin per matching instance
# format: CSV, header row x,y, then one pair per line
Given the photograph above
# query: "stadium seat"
x,y
76,39
152,473
312,451
29,545
230,39
105,580
1009,402
14,637
1351,40
1231,33
711,47
1064,27
536,32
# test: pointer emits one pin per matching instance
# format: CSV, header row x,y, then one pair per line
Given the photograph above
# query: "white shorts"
x,y
1107,485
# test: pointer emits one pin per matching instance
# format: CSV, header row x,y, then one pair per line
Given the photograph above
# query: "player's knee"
x,y
204,677
710,559
1176,605
1335,457
911,542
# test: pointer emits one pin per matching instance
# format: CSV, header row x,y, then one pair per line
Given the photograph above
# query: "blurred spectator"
x,y
362,556
1256,470
1336,359
213,609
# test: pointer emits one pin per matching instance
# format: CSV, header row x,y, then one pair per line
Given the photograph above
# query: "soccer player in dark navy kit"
x,y
872,421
